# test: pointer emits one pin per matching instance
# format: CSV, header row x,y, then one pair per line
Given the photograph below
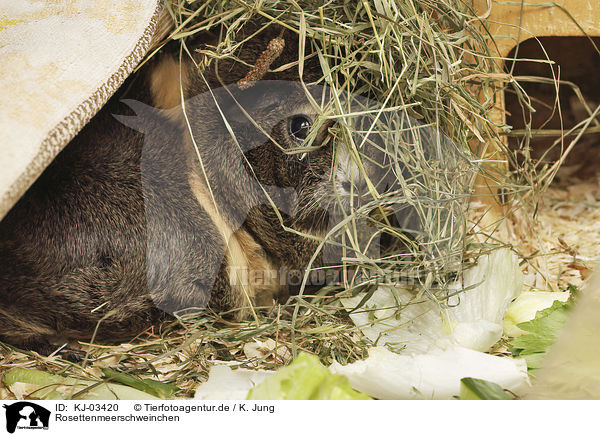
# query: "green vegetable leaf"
x,y
152,387
542,332
305,379
477,389
45,386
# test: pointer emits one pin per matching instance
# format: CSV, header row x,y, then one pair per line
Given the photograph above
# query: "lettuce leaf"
x,y
542,331
477,389
305,379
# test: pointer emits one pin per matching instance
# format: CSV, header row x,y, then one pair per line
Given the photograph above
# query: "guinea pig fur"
x,y
150,210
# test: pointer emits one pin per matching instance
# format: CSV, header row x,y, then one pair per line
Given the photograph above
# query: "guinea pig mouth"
x,y
329,198
353,195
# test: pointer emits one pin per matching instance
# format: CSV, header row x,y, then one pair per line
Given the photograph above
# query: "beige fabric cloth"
x,y
60,61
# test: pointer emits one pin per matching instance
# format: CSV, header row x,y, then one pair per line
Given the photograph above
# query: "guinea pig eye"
x,y
299,126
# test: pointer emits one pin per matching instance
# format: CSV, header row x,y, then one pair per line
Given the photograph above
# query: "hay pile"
x,y
429,61
425,62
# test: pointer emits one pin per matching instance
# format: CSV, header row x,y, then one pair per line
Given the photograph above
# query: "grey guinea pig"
x,y
123,229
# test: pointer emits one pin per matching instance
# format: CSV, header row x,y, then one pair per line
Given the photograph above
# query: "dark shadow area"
x,y
576,61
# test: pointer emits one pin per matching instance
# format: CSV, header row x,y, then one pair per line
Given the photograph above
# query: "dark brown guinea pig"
x,y
162,209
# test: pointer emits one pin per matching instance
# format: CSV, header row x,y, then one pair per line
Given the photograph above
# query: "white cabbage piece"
x,y
437,344
225,383
393,316
435,375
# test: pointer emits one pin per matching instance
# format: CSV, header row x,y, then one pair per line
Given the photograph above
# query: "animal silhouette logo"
x,y
26,415
388,141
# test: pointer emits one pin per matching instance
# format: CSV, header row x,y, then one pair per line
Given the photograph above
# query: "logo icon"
x,y
26,415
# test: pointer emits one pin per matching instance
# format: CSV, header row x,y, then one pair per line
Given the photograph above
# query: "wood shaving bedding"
x,y
560,244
